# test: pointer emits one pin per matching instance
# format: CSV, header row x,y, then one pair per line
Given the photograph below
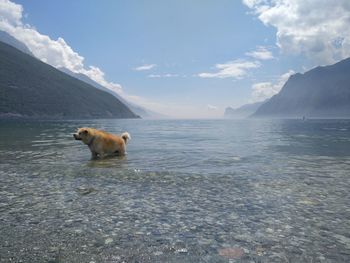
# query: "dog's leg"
x,y
94,155
122,150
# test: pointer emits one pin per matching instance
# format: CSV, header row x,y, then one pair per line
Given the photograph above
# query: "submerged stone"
x,y
231,252
181,250
108,241
85,191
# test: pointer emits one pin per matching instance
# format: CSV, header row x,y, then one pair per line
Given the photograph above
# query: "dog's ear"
x,y
83,131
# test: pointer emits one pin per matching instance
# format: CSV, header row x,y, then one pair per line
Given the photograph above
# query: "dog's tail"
x,y
126,137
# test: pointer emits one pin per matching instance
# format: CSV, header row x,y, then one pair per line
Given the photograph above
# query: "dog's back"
x,y
110,143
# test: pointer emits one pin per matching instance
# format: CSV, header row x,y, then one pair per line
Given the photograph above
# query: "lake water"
x,y
187,191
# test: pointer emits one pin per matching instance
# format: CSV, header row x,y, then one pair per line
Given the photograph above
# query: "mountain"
x,y
10,40
243,111
144,113
320,92
31,88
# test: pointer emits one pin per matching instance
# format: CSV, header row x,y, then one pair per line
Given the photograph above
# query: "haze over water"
x,y
268,190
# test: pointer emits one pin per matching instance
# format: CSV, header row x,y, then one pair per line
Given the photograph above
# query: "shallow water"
x,y
187,191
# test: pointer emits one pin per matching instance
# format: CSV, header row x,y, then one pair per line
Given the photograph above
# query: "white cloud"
x,y
252,3
54,52
212,107
168,75
154,76
261,53
99,76
10,13
162,75
318,29
233,69
265,90
145,67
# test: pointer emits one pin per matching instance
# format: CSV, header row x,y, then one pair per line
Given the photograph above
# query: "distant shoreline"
x,y
16,116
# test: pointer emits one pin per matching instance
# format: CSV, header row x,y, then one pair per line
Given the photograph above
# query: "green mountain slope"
x,y
31,88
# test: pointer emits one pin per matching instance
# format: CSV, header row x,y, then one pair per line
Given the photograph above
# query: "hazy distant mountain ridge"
x,y
10,40
144,113
243,111
31,88
320,92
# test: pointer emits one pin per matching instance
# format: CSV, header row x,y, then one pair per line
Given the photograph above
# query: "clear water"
x,y
188,191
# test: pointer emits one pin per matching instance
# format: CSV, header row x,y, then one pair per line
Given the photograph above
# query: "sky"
x,y
184,59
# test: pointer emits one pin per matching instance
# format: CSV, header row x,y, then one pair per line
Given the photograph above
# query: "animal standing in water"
x,y
101,143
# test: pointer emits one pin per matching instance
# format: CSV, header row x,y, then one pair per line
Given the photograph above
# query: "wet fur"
x,y
103,144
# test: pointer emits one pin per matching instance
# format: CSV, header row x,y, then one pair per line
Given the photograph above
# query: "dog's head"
x,y
83,134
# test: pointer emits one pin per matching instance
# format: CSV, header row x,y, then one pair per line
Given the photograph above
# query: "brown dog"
x,y
102,143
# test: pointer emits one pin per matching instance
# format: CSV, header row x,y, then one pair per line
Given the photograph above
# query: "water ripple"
x,y
187,191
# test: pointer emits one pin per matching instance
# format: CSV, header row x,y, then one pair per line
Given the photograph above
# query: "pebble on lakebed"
x,y
108,241
85,190
231,252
